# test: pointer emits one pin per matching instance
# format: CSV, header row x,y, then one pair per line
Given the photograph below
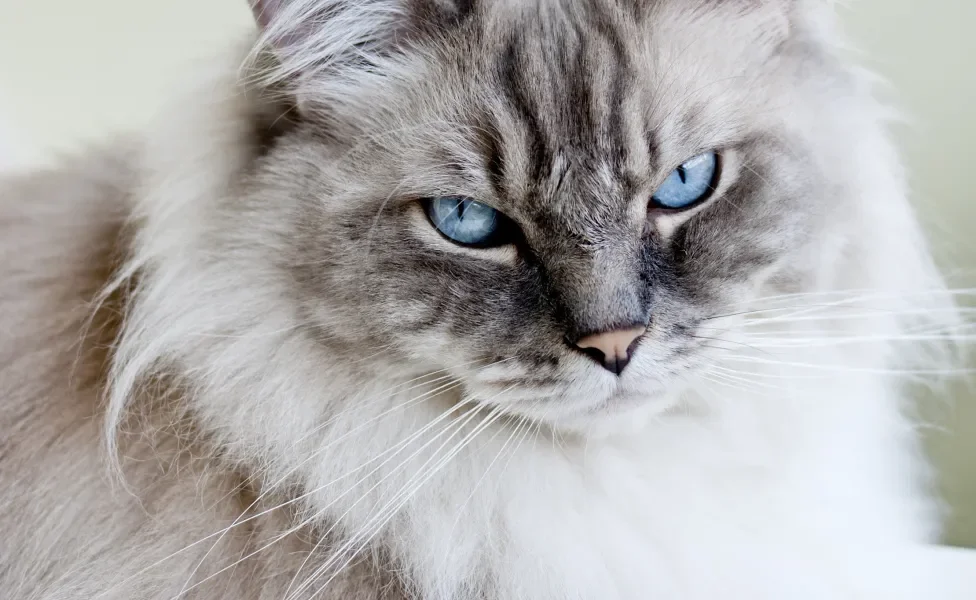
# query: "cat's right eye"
x,y
689,184
467,222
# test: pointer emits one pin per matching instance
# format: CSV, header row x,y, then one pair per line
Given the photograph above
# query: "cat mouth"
x,y
620,414
575,410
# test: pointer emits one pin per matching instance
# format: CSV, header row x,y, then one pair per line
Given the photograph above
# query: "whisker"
x,y
477,485
293,470
726,341
273,486
392,506
457,425
406,497
877,312
422,384
310,519
866,293
841,369
827,341
844,301
347,546
739,376
710,377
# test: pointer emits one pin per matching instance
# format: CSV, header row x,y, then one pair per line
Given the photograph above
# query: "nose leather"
x,y
612,349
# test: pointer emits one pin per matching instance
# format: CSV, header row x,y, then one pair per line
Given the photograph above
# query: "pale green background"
x,y
72,69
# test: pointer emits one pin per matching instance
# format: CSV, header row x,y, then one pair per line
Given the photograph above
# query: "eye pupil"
x,y
689,184
465,221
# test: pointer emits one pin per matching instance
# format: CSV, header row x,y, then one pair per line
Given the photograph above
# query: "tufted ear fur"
x,y
325,49
267,12
314,30
264,10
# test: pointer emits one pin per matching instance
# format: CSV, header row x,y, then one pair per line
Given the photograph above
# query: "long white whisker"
x,y
841,369
484,476
495,413
737,376
298,527
401,500
457,425
866,293
854,301
293,470
240,521
826,341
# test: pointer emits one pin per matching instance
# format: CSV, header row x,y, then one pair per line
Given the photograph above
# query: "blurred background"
x,y
74,70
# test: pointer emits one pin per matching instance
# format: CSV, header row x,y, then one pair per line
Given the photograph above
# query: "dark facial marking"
x,y
517,91
576,74
621,67
490,143
436,17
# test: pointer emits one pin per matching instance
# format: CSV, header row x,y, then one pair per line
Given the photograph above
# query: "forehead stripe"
x,y
515,88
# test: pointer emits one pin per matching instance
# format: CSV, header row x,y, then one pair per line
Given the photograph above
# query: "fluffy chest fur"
x,y
748,500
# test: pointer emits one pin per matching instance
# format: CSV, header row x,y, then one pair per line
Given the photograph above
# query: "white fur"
x,y
796,489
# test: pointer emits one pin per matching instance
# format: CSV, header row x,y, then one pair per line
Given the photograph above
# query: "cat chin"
x,y
620,415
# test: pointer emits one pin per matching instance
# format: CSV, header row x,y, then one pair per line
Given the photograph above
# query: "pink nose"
x,y
612,349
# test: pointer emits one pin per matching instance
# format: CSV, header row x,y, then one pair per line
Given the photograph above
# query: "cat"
x,y
478,300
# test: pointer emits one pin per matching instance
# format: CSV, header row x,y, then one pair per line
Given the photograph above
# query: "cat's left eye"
x,y
468,222
689,184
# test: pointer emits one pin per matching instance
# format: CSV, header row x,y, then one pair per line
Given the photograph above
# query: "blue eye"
x,y
689,183
467,222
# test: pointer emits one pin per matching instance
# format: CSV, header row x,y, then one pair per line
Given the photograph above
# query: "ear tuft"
x,y
329,50
310,38
264,11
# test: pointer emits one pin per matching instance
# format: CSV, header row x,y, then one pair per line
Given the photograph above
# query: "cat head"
x,y
559,206
547,200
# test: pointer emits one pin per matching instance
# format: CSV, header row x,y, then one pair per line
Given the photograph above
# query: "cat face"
x,y
548,201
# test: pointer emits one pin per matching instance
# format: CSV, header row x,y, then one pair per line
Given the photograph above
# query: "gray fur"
x,y
214,302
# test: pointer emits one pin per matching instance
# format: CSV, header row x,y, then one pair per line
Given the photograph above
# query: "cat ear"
x,y
290,22
316,33
341,40
264,10
333,54
296,20
321,39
